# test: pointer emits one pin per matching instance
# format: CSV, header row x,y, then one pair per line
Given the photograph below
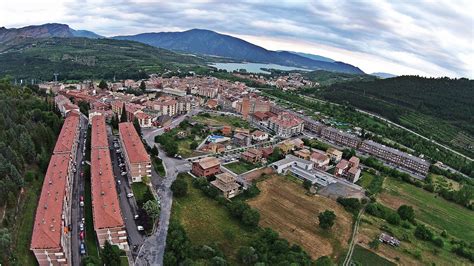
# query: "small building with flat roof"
x,y
226,183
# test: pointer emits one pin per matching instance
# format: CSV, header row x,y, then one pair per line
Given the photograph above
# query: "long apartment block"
x,y
107,215
340,137
137,160
395,156
50,241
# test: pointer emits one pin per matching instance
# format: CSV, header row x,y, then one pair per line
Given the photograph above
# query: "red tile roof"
x,y
47,226
99,133
343,164
133,145
105,204
67,136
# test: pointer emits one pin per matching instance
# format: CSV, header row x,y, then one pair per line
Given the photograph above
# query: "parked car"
x,y
82,248
124,173
129,195
119,182
81,226
122,164
81,235
81,201
140,228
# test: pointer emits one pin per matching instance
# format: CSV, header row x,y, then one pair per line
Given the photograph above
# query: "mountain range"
x,y
208,43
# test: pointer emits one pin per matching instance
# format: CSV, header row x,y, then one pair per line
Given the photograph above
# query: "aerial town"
x,y
234,153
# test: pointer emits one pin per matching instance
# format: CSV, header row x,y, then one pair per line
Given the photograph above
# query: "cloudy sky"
x,y
429,38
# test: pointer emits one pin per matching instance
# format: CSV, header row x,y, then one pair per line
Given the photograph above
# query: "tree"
x,y
348,153
193,145
152,209
103,85
276,155
5,240
110,254
154,151
123,117
137,127
179,187
114,121
143,86
250,217
423,233
326,219
406,213
324,261
374,244
307,184
393,218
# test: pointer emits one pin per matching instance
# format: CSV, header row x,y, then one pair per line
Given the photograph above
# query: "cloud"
x,y
431,38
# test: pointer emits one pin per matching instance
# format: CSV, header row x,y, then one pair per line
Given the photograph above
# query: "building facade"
x,y
137,160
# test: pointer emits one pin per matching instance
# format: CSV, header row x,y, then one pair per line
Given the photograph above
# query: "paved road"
x,y
152,251
127,205
77,191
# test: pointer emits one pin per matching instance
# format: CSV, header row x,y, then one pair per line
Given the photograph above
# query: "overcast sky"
x,y
429,38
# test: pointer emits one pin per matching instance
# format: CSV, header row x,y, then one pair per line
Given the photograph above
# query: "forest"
x,y
29,126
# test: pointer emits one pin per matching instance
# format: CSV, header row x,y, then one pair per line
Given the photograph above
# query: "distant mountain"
x,y
314,57
206,42
383,75
43,31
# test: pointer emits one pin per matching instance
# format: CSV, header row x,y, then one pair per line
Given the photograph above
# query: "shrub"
x,y
438,242
406,213
179,187
423,233
326,219
351,205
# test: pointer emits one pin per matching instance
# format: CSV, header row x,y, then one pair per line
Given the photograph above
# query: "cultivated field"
x,y
220,120
429,208
285,207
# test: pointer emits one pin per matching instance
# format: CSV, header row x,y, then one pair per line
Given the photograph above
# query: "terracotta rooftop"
x,y
99,133
318,156
133,145
343,164
105,204
355,161
353,170
67,138
47,226
208,162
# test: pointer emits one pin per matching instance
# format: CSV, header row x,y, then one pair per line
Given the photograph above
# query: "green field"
x,y
139,190
240,167
363,256
221,120
430,209
365,179
206,222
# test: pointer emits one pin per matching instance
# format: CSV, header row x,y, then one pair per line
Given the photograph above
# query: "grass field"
x,y
240,167
365,257
139,189
286,207
24,224
206,222
219,120
365,179
429,208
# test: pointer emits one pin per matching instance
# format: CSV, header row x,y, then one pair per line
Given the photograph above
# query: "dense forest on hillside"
x,y
325,78
440,108
82,58
28,130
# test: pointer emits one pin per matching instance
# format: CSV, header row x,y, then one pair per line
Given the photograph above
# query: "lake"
x,y
253,67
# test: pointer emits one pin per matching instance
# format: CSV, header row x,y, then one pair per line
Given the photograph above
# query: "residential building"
x,y
285,125
50,241
175,91
144,120
226,130
226,183
320,160
241,140
251,156
303,154
259,136
167,106
340,137
334,154
206,167
348,169
137,160
395,156
291,160
313,125
106,213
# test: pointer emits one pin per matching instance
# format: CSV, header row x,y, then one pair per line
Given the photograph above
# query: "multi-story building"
x,y
251,155
209,92
137,160
206,167
226,183
340,137
107,216
320,160
395,156
313,125
167,107
51,238
286,125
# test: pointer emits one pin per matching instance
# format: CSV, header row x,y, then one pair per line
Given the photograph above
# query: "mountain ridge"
x,y
207,42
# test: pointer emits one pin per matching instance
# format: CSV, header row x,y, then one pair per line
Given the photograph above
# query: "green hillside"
x,y
440,108
82,58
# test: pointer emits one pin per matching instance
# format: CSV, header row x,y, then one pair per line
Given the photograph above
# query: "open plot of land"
x,y
366,257
221,120
206,222
285,207
240,167
411,251
430,209
442,181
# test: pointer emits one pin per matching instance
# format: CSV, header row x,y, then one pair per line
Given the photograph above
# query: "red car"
x,y
81,235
